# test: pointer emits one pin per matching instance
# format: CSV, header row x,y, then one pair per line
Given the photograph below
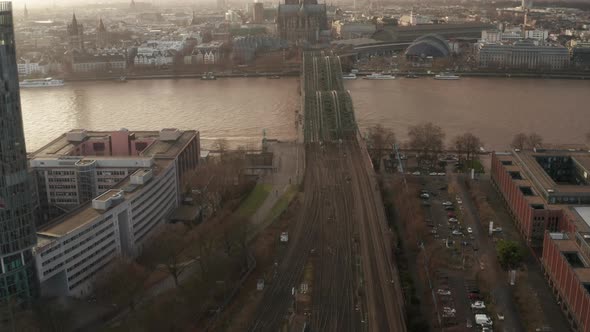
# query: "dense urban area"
x,y
338,229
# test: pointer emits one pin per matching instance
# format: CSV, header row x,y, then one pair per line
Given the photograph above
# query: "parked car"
x,y
441,174
447,203
433,174
500,316
416,173
474,296
483,320
450,208
453,220
441,291
424,196
469,230
451,214
478,305
457,233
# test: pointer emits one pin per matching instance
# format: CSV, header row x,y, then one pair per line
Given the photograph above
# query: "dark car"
x,y
452,215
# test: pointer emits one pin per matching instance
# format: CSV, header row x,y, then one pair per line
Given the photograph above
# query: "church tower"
x,y
102,35
75,35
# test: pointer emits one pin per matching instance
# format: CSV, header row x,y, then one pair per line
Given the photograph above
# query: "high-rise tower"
x,y
17,232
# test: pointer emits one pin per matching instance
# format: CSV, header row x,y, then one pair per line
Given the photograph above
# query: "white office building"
x,y
522,55
71,250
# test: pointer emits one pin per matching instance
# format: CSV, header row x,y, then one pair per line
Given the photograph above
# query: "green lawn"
x,y
283,202
476,164
254,200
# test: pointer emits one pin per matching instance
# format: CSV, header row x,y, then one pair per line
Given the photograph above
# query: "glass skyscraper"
x,y
17,230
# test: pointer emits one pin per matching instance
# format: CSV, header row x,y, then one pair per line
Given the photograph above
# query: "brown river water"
x,y
240,108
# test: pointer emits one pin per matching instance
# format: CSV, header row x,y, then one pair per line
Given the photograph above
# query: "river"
x,y
240,108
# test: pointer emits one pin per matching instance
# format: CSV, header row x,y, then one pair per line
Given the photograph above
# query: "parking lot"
x,y
462,304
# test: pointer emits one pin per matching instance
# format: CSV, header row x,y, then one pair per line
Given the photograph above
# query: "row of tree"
x,y
428,139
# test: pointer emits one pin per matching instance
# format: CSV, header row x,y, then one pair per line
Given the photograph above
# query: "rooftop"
x,y
65,145
112,193
552,173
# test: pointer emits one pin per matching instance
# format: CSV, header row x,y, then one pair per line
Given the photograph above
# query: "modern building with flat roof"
x,y
117,220
547,191
537,185
17,219
566,264
80,165
523,55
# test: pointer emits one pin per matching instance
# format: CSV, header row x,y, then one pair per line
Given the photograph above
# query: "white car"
x,y
478,305
416,173
441,174
425,196
447,203
453,220
459,201
457,233
469,230
441,291
433,174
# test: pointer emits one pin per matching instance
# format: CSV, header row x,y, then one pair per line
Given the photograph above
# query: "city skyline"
x,y
261,166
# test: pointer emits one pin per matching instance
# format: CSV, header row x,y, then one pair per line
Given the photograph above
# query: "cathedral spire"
x,y
101,25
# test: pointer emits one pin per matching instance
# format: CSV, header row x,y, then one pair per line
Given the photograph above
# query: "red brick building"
x,y
566,262
547,191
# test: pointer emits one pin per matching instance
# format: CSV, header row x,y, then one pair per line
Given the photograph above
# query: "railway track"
x,y
355,284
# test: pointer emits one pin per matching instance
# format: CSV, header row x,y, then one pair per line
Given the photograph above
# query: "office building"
x,y
81,165
122,215
523,55
17,235
537,185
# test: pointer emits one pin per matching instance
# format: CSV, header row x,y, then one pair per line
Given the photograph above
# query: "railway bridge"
x,y
340,236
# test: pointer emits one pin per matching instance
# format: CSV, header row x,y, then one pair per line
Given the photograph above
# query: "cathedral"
x,y
75,35
102,35
301,20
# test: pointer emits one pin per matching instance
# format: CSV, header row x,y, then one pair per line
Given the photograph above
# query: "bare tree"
x,y
122,284
379,139
519,141
467,144
167,251
534,140
427,138
220,145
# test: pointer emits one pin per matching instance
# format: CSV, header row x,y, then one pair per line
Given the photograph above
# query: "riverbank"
x,y
295,73
572,76
292,73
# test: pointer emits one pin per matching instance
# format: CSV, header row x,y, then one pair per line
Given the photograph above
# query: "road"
x,y
500,291
356,287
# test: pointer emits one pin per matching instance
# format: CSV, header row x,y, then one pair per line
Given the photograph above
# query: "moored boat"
x,y
41,83
446,76
377,76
